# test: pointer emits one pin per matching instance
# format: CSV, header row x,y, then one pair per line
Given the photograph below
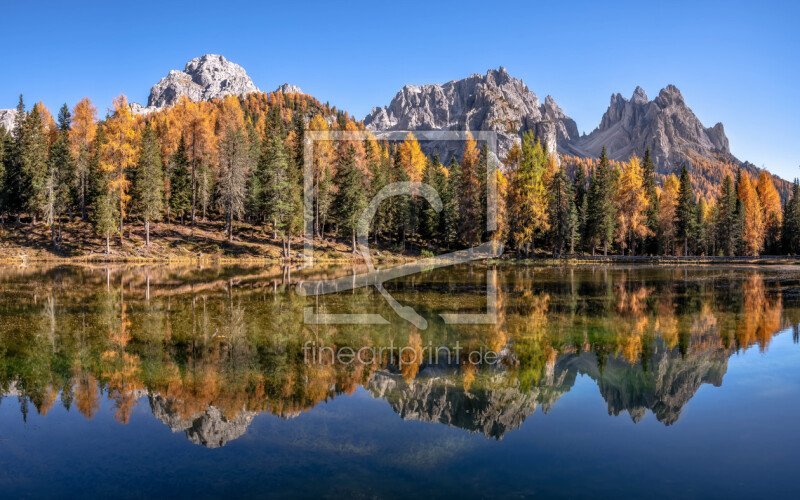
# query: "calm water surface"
x,y
195,382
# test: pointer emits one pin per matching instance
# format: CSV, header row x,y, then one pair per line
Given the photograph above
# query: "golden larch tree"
x,y
753,230
668,201
631,200
119,154
82,134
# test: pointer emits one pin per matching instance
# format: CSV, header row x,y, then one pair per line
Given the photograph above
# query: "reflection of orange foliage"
x,y
666,323
49,398
411,356
87,395
762,316
468,371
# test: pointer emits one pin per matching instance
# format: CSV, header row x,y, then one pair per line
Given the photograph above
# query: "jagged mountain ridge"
x,y
495,102
666,125
499,102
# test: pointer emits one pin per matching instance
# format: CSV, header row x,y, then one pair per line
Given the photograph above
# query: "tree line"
x,y
242,158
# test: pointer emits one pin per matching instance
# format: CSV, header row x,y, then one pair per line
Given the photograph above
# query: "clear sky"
x,y
735,62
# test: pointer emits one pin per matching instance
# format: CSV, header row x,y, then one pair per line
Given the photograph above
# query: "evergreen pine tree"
x,y
58,179
180,182
726,229
685,215
283,203
235,163
448,217
351,197
653,207
148,183
601,210
34,164
562,214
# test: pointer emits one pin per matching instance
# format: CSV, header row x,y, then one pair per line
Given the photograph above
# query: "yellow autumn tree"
x,y
667,203
119,153
200,147
82,134
631,200
324,170
753,230
412,158
773,213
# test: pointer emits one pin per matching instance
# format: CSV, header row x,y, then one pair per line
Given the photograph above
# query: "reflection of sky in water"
x,y
736,440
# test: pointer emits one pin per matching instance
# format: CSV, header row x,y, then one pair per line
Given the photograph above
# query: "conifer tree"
x,y
180,184
284,206
469,194
105,214
752,217
726,222
528,196
15,179
149,181
34,163
668,204
581,203
235,163
685,216
601,210
6,143
631,203
652,210
82,134
771,205
448,217
429,221
562,214
790,232
351,196
59,172
119,155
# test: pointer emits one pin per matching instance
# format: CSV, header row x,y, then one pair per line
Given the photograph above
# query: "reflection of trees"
x,y
214,346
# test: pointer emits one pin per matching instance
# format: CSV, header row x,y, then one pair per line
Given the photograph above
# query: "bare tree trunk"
x,y
108,242
147,232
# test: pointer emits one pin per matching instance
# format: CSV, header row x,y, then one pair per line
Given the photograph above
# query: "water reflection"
x,y
210,348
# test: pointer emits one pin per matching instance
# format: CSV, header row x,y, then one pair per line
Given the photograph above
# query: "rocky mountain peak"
x,y
665,125
206,77
289,89
494,101
639,96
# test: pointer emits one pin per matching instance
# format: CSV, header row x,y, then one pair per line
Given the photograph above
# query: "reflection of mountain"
x,y
210,352
209,428
492,409
667,386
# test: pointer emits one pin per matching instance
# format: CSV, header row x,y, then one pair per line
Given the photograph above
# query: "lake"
x,y
192,381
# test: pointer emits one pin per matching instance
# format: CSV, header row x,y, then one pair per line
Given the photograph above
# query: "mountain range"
x,y
498,102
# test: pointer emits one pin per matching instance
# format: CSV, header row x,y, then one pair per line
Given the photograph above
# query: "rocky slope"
x,y
289,89
7,118
666,125
203,78
492,102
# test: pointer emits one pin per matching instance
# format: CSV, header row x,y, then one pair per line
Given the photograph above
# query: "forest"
x,y
240,160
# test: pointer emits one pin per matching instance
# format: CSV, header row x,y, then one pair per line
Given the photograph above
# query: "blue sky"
x,y
735,62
